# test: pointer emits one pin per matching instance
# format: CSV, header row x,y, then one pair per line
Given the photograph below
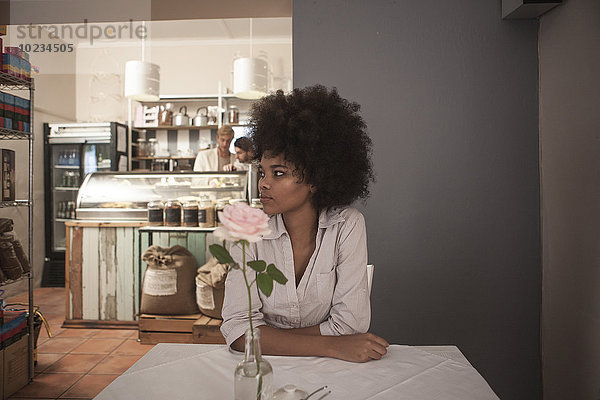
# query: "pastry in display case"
x,y
124,196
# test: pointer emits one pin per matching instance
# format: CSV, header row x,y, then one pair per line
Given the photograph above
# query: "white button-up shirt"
x,y
332,293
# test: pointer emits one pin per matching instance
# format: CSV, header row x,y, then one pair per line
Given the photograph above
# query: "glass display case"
x,y
125,195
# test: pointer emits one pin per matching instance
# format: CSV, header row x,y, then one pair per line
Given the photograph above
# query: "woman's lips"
x,y
264,199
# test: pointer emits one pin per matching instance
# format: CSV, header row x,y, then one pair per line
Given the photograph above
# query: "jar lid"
x,y
141,139
233,107
153,140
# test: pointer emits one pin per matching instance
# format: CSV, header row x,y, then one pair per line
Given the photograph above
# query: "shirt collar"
x,y
327,218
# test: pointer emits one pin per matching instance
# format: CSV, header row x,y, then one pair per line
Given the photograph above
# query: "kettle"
x,y
165,116
201,119
181,118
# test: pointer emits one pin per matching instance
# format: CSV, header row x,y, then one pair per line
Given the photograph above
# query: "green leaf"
x,y
258,266
220,254
276,274
265,283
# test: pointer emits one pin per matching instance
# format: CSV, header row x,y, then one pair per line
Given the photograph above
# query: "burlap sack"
x,y
6,225
210,288
9,263
19,252
168,287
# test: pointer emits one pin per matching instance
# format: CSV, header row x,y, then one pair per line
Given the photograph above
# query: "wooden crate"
x,y
193,328
166,328
207,330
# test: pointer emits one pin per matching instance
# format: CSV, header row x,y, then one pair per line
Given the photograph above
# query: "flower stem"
x,y
259,388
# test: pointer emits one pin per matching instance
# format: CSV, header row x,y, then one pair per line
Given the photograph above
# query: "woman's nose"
x,y
263,184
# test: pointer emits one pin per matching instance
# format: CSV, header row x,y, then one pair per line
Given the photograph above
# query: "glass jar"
x,y
189,213
256,204
141,148
155,213
234,115
206,213
172,213
219,207
253,376
152,147
233,201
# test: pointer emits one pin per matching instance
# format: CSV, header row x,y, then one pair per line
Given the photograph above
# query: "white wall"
x,y
188,65
54,100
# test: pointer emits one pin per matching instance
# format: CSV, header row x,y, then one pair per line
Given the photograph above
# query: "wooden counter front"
x,y
102,264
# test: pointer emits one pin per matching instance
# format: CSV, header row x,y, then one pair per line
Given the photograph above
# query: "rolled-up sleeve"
x,y
351,309
235,304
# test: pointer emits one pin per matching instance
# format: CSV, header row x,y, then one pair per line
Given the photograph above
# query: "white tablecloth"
x,y
199,371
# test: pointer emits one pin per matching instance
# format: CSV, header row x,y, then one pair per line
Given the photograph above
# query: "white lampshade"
x,y
142,81
250,78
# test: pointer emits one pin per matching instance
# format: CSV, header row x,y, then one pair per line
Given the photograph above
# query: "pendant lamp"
x,y
250,75
142,78
142,81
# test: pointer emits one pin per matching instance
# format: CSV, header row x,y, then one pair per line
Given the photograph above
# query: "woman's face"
x,y
280,189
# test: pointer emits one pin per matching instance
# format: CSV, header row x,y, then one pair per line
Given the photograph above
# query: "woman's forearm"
x,y
306,342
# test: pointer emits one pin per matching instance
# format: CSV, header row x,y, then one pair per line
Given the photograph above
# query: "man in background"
x,y
243,155
216,159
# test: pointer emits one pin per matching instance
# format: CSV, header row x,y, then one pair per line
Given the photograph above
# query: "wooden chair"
x,y
370,269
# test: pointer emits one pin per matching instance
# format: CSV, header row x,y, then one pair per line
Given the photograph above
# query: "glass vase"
x,y
253,378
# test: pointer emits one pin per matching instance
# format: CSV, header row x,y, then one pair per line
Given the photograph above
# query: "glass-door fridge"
x,y
71,152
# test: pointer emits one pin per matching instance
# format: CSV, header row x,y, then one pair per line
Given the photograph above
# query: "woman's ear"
x,y
313,189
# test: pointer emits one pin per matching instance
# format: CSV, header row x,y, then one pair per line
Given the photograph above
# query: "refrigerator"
x,y
71,151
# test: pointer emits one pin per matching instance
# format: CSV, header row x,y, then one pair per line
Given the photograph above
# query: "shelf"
x,y
174,98
66,188
11,281
66,166
174,127
164,158
62,219
11,134
174,229
15,203
182,127
13,82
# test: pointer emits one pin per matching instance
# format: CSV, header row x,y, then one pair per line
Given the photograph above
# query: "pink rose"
x,y
242,222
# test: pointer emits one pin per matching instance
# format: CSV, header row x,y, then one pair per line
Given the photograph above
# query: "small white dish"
x,y
289,392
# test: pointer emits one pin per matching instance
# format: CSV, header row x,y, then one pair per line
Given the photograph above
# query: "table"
x,y
201,371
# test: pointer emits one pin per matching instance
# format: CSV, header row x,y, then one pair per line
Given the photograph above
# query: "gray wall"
x,y
449,92
570,166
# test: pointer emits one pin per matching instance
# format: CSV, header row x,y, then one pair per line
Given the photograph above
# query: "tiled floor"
x,y
76,363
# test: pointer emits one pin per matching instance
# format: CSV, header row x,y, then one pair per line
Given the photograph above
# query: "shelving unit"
x,y
12,83
221,100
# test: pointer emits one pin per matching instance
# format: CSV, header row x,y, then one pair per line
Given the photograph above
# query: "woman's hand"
x,y
229,167
358,348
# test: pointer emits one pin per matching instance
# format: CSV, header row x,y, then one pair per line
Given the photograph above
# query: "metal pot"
x,y
181,118
201,119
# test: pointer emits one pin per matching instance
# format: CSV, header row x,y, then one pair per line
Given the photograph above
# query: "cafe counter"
x,y
104,245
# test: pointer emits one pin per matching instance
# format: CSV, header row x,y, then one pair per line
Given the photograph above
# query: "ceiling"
x,y
24,12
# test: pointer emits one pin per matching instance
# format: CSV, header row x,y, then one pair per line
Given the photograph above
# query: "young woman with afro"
x,y
314,155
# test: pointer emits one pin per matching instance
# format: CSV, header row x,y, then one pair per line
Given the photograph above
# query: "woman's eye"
x,y
278,173
261,174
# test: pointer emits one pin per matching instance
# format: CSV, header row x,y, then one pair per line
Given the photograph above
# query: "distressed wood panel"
x,y
90,274
178,238
73,271
160,239
196,244
107,284
124,263
137,263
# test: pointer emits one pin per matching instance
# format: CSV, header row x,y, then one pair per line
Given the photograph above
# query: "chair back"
x,y
370,270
